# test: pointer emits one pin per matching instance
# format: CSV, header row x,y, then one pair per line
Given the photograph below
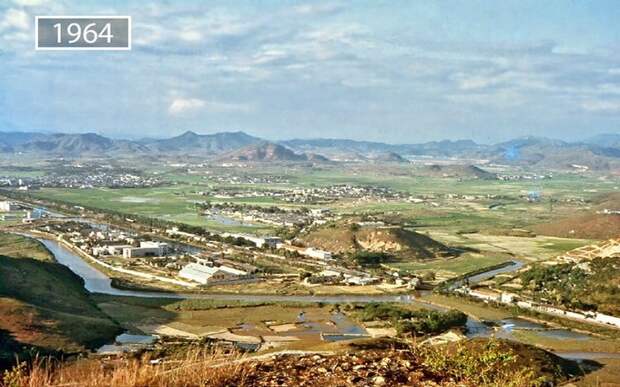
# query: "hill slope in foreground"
x,y
43,305
477,362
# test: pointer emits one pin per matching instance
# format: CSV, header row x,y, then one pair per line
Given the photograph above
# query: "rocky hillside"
x,y
478,363
268,151
203,144
393,240
389,157
461,171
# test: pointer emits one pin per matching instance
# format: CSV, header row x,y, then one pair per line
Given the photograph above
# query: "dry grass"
x,y
471,363
197,368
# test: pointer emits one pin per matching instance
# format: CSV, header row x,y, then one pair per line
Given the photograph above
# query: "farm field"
x,y
199,317
176,202
535,248
446,268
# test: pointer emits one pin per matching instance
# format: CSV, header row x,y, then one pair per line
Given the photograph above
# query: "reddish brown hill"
x,y
591,225
267,151
392,240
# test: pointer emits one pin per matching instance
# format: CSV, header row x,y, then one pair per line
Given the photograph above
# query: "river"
x,y
97,282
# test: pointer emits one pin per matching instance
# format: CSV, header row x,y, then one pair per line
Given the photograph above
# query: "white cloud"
x,y
190,35
147,34
601,106
183,105
29,3
489,78
18,37
15,19
180,106
476,82
268,56
367,81
313,9
501,99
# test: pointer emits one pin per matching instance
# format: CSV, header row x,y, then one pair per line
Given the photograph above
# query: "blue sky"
x,y
394,71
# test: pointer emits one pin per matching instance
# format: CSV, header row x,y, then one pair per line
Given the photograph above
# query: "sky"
x,y
391,71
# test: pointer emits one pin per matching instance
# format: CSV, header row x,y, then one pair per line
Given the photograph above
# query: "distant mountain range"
x,y
601,152
435,148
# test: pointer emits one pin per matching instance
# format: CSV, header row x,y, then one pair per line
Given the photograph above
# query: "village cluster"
x,y
315,195
171,259
102,179
275,216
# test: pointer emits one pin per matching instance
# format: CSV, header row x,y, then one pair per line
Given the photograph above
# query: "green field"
x,y
453,266
173,203
176,202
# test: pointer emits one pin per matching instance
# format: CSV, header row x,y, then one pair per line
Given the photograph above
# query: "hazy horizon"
x,y
394,72
199,132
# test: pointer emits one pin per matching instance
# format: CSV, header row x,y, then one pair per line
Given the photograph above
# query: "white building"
x,y
208,275
117,249
359,280
316,253
7,206
319,212
146,249
268,241
330,274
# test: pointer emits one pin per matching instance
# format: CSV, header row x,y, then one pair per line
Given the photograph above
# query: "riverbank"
x,y
599,341
100,283
132,280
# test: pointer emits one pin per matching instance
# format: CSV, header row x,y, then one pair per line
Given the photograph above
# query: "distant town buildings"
x,y
7,206
316,253
271,241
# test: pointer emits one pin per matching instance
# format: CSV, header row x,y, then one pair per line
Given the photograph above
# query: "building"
x,y
117,249
359,280
319,212
258,241
146,249
332,274
318,254
268,241
28,219
7,206
208,275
